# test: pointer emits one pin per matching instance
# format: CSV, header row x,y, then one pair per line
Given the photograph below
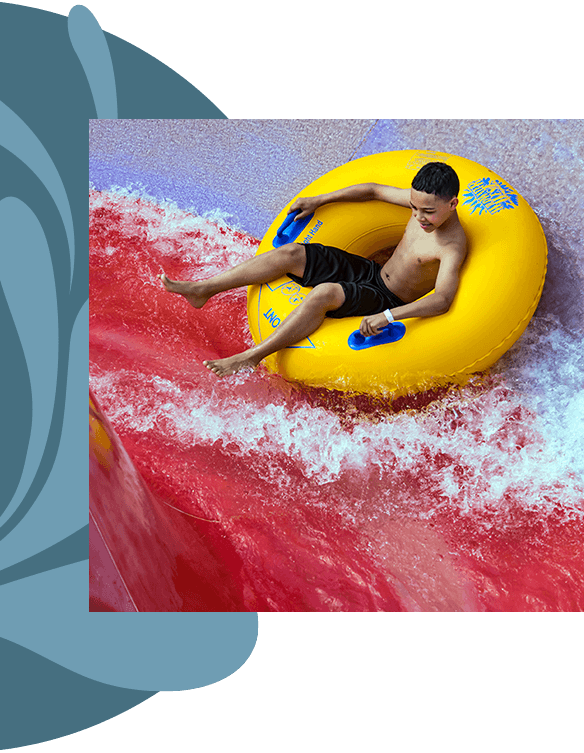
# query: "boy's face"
x,y
429,210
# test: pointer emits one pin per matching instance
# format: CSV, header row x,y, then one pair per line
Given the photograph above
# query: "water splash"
x,y
455,478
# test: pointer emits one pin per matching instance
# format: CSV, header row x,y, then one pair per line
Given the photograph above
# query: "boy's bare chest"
x,y
419,254
412,269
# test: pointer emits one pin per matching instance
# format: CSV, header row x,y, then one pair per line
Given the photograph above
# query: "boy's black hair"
x,y
437,178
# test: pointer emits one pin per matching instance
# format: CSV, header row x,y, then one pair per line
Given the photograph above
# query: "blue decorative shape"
x,y
91,48
491,196
20,140
46,701
45,103
389,334
290,229
36,319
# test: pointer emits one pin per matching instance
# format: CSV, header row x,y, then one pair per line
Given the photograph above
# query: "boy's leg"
x,y
267,267
301,323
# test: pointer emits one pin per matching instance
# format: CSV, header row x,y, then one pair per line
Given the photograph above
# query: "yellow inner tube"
x,y
500,286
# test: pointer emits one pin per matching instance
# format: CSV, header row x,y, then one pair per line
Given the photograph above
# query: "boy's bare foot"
x,y
233,364
192,291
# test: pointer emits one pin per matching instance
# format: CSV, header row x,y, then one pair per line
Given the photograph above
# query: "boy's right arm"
x,y
360,192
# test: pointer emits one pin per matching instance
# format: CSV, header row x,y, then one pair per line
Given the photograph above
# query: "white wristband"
x,y
389,316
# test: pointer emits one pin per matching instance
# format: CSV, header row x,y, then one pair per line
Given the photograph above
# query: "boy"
x,y
429,256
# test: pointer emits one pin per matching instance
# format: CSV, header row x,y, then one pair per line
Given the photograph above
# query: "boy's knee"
x,y
295,250
331,294
294,257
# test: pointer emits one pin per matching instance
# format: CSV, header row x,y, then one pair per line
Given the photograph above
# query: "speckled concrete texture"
x,y
249,169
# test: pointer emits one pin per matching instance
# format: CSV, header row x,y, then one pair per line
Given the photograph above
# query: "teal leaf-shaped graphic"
x,y
19,139
149,651
91,48
46,701
17,414
53,515
58,73
28,283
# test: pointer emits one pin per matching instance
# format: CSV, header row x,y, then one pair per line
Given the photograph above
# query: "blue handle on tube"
x,y
389,334
289,230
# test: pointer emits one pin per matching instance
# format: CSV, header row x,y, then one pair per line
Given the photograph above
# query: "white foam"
x,y
206,242
520,438
495,449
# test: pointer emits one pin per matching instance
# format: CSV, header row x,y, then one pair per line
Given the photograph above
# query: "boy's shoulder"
x,y
453,241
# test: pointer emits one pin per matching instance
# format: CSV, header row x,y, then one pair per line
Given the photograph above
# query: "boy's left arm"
x,y
434,304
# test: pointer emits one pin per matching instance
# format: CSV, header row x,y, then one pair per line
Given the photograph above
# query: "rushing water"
x,y
470,499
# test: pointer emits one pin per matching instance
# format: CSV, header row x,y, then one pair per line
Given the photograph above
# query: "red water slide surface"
x,y
249,493
145,555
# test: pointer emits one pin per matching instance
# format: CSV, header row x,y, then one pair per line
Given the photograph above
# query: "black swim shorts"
x,y
365,291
